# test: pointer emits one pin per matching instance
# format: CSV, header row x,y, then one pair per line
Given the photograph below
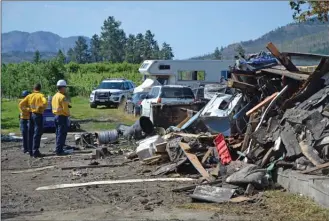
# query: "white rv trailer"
x,y
186,72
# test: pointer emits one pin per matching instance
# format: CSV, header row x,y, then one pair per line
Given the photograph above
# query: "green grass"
x,y
9,116
80,110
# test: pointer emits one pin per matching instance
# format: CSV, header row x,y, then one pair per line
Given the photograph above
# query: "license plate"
x,y
101,100
50,118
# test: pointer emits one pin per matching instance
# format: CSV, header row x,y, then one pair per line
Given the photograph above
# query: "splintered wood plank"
x,y
194,160
283,59
205,157
262,104
183,122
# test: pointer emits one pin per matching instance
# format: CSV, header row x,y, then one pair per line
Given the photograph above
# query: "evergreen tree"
x,y
81,51
113,40
139,48
130,55
166,52
155,51
151,50
95,49
217,54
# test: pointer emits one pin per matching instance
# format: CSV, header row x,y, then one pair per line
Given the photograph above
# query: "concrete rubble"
x,y
272,128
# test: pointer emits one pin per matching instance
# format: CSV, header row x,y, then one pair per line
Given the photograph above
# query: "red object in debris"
x,y
223,151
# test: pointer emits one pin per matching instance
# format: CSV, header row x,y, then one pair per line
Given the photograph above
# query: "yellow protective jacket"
x,y
25,112
60,105
36,102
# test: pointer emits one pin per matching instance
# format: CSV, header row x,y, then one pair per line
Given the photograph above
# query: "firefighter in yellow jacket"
x,y
60,106
24,117
37,103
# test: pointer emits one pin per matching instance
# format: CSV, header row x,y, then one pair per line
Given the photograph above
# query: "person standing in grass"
x,y
60,106
37,103
24,117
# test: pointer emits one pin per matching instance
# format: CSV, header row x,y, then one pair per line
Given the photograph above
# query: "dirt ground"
x,y
140,201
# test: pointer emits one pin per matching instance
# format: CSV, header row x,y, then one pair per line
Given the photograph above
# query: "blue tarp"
x,y
260,59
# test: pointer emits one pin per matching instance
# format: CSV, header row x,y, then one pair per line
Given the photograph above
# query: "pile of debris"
x,y
275,116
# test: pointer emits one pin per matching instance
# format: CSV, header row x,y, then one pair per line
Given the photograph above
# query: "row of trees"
x,y
113,45
18,77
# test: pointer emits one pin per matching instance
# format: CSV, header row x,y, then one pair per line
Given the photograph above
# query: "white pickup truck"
x,y
166,94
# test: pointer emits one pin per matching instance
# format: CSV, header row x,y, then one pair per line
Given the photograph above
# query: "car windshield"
x,y
171,92
110,85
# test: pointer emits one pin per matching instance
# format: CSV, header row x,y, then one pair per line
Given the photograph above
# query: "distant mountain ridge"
x,y
307,37
18,41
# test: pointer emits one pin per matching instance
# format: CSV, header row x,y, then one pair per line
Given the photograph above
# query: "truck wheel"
x,y
93,106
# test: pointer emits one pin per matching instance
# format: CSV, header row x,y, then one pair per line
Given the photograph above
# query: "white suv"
x,y
167,94
111,92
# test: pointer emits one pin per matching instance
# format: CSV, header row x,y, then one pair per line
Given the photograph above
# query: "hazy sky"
x,y
191,28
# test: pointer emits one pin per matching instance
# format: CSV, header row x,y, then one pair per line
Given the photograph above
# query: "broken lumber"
x,y
262,104
283,59
250,128
109,182
241,85
205,157
194,160
33,170
183,122
296,76
318,167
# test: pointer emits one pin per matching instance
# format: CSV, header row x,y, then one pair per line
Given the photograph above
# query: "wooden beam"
x,y
183,122
194,160
307,55
308,87
296,76
241,85
284,60
262,104
205,157
109,182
